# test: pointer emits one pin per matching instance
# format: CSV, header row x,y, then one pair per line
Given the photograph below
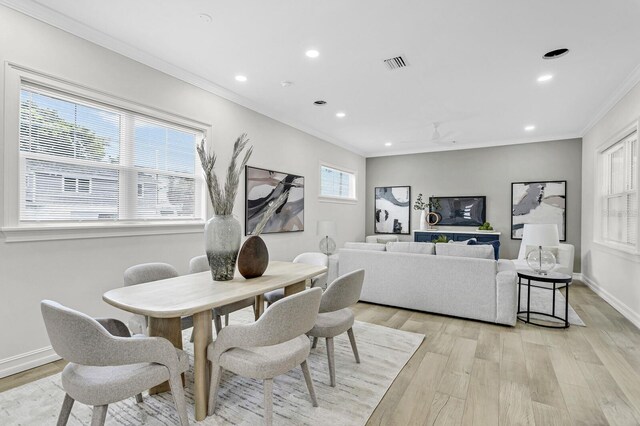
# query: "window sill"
x,y
615,250
337,200
106,230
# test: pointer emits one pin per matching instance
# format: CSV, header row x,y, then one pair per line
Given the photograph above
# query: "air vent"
x,y
395,63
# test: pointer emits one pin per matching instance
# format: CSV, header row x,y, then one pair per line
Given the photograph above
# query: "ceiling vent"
x,y
395,63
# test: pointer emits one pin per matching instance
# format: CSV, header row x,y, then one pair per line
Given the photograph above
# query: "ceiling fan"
x,y
436,138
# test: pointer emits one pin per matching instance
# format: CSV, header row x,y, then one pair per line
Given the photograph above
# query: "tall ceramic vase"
x,y
222,243
423,220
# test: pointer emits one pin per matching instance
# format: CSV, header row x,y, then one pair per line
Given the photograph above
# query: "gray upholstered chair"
x,y
310,258
335,317
201,264
267,348
144,273
107,365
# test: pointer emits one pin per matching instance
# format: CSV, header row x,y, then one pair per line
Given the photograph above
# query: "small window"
x,y
619,193
337,184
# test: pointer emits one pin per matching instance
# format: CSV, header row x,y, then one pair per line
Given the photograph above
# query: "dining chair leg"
x,y
217,322
307,378
216,373
175,382
67,405
332,362
315,343
352,339
268,401
139,398
99,415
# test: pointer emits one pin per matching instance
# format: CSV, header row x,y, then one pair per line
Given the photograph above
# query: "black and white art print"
x,y
262,187
392,210
538,202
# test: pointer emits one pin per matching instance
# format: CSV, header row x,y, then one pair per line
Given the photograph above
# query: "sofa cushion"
x,y
365,246
411,247
381,239
553,250
458,250
495,244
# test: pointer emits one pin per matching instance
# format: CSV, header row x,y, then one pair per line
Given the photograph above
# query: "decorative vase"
x,y
253,258
222,242
423,220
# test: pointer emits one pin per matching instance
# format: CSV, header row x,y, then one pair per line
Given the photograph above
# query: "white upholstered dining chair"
x,y
107,365
335,317
311,258
267,348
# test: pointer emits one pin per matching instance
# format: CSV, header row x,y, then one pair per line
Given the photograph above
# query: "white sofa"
x,y
564,258
476,288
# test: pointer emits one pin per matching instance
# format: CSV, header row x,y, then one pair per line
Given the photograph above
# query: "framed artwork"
x,y
263,186
538,202
392,210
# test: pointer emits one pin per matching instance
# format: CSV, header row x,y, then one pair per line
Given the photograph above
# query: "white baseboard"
x,y
27,360
619,306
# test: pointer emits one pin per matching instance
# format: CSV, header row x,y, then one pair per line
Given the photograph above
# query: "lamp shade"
x,y
326,228
541,234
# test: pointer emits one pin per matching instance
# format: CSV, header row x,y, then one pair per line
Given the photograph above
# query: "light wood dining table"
x,y
164,302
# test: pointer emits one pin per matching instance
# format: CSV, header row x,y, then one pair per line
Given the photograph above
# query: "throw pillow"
x,y
365,246
495,244
464,242
459,250
411,247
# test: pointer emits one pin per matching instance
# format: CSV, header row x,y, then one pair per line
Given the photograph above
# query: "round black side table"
x,y
557,281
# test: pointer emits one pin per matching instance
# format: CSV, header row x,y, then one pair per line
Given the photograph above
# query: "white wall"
x,y
614,276
77,272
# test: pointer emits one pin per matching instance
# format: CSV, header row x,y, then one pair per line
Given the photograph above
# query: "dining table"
x,y
165,302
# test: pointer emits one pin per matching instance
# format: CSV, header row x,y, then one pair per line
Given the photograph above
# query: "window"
x,y
337,184
84,160
619,193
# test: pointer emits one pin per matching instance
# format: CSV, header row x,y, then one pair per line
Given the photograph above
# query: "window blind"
x,y
337,183
82,160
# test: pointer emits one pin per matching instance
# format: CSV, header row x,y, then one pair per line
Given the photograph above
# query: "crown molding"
x,y
629,83
72,26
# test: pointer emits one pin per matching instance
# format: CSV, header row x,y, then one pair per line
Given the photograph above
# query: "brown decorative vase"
x,y
253,258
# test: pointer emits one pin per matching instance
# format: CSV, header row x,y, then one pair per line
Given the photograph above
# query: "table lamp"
x,y
327,229
541,235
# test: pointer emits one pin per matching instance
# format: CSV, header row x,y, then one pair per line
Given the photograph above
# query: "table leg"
x,y
259,310
566,306
519,287
553,306
528,300
201,339
170,329
295,288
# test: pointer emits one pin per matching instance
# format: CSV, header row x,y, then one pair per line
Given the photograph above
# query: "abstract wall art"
x,y
262,187
392,210
538,202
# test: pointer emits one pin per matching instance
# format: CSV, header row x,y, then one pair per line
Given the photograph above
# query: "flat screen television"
x,y
461,211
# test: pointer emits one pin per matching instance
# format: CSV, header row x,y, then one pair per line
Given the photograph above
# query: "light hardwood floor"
x,y
472,373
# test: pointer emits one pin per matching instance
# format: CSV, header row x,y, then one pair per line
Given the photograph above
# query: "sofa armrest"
x,y
506,297
506,265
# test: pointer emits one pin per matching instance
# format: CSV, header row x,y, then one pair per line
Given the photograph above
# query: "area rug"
x,y
542,301
360,387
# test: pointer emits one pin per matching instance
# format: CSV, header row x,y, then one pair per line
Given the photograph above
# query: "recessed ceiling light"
x,y
205,18
545,77
388,144
312,53
341,114
241,78
320,102
555,54
529,128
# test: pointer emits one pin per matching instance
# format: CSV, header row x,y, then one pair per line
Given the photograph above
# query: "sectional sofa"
x,y
451,279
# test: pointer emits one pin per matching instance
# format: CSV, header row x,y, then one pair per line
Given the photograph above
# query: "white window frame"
x,y
330,199
11,227
620,249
